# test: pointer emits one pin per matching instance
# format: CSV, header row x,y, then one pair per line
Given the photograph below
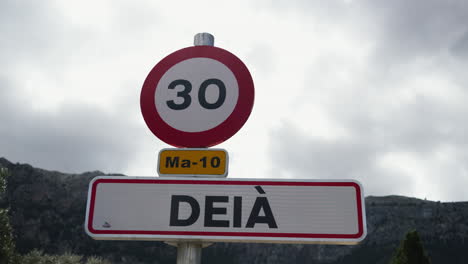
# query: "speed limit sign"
x,y
197,97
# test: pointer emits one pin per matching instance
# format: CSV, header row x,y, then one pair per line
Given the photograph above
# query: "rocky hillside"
x,y
48,209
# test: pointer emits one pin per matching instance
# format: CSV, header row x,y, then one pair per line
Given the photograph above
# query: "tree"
x,y
7,245
411,251
38,257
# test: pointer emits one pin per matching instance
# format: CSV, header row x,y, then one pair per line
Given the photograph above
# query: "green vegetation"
x,y
37,257
411,251
7,244
8,253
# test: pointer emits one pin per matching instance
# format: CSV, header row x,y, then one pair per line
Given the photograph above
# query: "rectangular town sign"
x,y
193,162
230,210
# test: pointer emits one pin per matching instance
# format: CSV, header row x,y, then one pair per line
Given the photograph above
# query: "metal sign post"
x,y
190,253
195,98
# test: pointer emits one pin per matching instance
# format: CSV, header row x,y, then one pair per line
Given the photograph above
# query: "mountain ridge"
x,y
47,210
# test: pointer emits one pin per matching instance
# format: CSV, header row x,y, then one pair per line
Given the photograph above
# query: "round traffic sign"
x,y
197,97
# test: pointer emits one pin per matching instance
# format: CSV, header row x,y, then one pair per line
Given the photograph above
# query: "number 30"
x,y
187,99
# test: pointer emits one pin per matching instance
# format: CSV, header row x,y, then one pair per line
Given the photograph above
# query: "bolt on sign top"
x,y
197,97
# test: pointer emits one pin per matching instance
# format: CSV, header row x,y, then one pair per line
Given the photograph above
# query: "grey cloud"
x,y
333,9
261,57
417,28
426,124
422,127
134,19
327,159
412,40
400,30
38,37
460,47
301,156
38,34
77,137
32,31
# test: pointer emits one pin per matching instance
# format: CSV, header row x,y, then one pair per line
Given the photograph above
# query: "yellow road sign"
x,y
193,162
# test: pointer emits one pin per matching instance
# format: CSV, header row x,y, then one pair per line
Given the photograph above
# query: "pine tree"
x,y
411,251
7,245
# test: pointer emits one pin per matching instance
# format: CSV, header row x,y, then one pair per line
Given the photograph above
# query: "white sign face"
x,y
196,95
254,210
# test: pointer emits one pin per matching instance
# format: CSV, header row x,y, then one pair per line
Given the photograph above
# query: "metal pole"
x,y
190,252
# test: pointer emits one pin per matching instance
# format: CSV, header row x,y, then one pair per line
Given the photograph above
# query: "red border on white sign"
x,y
214,135
228,236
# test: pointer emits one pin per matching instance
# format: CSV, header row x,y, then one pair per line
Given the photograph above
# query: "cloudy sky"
x,y
344,89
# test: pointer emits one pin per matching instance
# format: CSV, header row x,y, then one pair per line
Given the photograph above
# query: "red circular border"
x,y
210,137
